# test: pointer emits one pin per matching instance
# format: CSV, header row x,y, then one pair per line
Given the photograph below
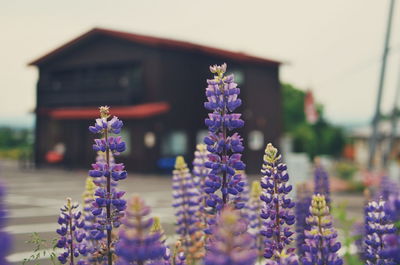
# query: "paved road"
x,y
35,196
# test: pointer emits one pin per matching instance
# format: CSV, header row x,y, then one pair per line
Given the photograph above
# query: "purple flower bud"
x,y
231,243
136,243
321,182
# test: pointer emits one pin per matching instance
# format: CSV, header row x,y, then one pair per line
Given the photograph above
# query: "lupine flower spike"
x,y
303,202
157,228
5,238
392,209
277,209
231,244
387,188
109,205
200,173
321,181
320,244
186,201
225,147
378,227
137,244
241,200
256,222
94,238
71,232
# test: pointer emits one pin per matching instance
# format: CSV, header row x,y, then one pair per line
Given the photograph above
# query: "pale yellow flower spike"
x,y
256,189
180,163
89,189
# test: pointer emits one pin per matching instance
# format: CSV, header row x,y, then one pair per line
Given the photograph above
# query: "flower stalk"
x,y
187,204
225,148
107,197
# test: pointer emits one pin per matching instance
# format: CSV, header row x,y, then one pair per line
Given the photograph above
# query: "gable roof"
x,y
158,42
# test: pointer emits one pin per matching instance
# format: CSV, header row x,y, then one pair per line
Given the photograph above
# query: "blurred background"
x,y
310,73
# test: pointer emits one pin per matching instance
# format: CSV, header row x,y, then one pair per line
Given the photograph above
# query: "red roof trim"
x,y
127,112
159,42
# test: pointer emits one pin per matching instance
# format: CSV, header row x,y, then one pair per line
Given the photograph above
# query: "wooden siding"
x,y
171,75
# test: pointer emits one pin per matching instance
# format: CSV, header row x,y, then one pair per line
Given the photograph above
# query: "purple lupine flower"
x,y
387,188
392,248
186,202
137,245
321,181
254,215
303,203
241,199
230,244
178,257
377,227
277,210
94,239
320,245
225,147
284,258
392,208
5,237
102,159
71,232
108,205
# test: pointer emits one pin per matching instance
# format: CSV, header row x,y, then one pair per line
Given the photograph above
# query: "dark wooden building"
x,y
156,86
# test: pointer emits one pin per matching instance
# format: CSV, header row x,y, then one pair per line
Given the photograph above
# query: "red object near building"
x,y
53,157
309,108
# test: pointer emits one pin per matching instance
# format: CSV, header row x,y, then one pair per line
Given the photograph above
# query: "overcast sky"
x,y
332,47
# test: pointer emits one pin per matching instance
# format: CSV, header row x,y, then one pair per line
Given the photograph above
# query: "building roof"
x,y
140,111
158,42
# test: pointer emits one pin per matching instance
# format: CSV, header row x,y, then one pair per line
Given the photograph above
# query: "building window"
x,y
174,143
256,140
239,76
149,139
99,78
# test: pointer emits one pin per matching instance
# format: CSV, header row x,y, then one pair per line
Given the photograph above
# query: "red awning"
x,y
128,112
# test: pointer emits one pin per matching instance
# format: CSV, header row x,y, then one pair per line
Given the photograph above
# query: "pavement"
x,y
34,198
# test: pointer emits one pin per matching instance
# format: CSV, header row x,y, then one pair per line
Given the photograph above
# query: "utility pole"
x,y
393,122
375,120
